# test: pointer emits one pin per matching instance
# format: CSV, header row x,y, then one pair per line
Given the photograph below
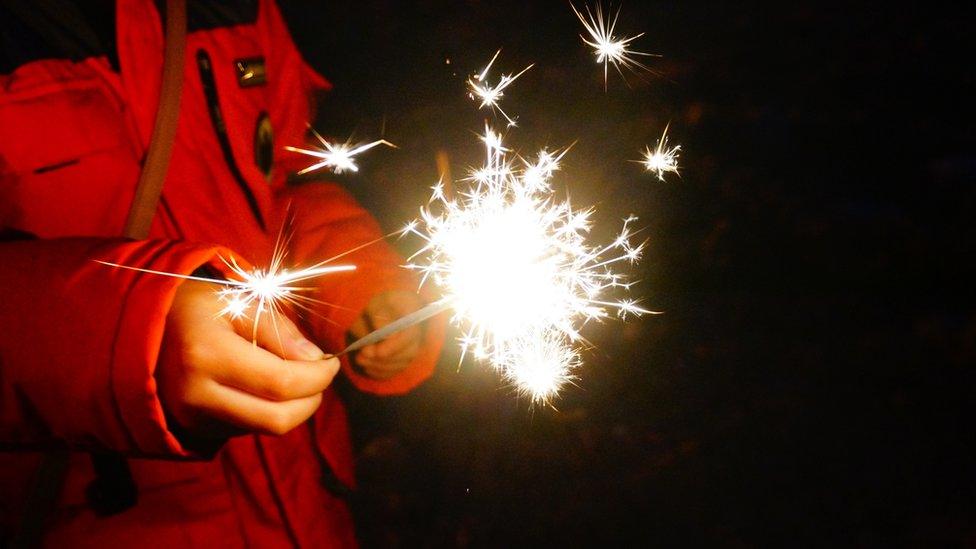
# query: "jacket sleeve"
x,y
80,340
326,222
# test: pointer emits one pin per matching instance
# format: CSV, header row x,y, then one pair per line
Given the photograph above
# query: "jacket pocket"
x,y
66,167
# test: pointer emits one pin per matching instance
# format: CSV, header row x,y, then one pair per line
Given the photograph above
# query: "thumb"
x,y
276,333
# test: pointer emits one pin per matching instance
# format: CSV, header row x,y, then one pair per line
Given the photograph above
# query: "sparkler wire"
x,y
398,325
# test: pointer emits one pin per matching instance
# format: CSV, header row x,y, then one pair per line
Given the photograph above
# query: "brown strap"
x,y
153,175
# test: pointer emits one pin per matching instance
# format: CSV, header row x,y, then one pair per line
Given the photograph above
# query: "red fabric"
x,y
79,340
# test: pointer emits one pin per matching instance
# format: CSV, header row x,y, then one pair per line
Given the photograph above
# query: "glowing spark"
x,y
337,156
262,291
609,49
515,265
540,366
662,159
490,95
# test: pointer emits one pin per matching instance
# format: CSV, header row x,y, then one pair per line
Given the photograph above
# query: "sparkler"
x,y
337,156
263,290
490,95
609,49
661,159
515,266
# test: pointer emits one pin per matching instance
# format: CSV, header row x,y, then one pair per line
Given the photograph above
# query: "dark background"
x,y
812,380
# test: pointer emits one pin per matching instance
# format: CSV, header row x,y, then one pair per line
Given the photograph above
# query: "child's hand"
x,y
215,383
389,357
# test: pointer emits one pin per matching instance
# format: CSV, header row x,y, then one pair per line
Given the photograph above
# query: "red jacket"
x,y
79,341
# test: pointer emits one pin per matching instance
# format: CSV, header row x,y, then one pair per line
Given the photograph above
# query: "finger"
x,y
252,413
395,364
391,367
392,347
390,306
395,346
386,370
403,303
277,333
398,345
239,364
404,356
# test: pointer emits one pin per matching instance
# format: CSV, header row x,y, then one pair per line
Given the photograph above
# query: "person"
x,y
224,443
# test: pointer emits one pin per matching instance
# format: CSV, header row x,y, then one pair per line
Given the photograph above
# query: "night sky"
x,y
811,381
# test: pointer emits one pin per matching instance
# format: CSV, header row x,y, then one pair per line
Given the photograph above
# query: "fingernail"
x,y
334,359
309,349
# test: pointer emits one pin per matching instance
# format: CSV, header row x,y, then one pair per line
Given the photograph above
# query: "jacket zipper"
x,y
220,128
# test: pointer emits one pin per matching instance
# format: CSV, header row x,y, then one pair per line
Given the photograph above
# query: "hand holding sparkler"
x,y
214,382
513,262
389,356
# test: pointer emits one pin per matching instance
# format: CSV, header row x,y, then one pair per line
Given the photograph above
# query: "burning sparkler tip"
x,y
515,265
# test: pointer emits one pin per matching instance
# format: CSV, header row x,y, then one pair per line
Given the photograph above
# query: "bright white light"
x,y
515,264
662,159
336,156
540,366
609,49
256,292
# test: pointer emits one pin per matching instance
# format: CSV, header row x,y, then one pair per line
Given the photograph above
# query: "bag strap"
x,y
49,479
154,169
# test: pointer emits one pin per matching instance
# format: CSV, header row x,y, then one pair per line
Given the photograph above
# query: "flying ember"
x,y
661,159
609,49
490,95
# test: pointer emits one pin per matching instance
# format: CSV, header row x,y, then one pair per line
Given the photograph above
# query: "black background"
x,y
811,382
